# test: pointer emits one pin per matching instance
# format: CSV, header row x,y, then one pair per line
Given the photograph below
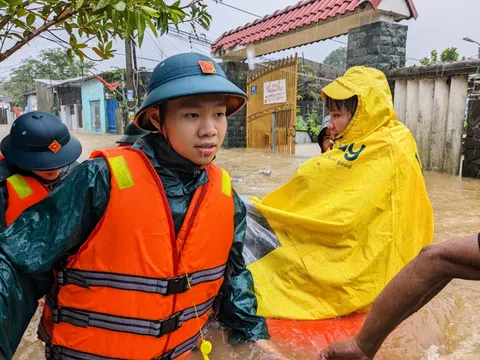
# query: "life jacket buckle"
x,y
171,324
56,313
52,352
66,277
166,356
177,285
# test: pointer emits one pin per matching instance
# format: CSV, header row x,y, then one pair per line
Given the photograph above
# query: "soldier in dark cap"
x,y
131,135
146,241
35,155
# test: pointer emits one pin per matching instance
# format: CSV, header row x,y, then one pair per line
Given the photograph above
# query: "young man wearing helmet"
x,y
35,154
145,240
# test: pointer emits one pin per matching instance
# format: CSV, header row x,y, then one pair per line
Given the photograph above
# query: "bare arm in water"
x,y
413,287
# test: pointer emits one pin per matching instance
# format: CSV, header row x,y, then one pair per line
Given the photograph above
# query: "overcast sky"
x,y
441,24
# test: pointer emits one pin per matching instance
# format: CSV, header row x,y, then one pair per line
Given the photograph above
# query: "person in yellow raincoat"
x,y
348,220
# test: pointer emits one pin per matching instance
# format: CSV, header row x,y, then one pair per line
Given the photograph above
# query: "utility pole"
x,y
130,88
135,67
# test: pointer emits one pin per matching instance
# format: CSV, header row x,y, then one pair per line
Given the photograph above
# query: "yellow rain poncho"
x,y
348,220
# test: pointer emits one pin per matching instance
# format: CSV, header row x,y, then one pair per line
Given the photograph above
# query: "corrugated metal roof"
x,y
293,17
48,81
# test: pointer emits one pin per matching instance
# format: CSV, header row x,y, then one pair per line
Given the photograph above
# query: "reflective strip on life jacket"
x,y
125,293
154,328
226,183
23,192
121,172
176,285
20,186
62,353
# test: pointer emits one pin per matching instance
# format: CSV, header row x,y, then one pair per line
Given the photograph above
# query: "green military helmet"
x,y
185,75
39,141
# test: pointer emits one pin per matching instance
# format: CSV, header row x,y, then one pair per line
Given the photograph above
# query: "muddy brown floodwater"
x,y
447,328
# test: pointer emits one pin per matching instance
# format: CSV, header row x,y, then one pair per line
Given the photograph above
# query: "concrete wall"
x,y
92,90
434,111
381,45
69,95
471,163
236,136
302,137
323,70
45,100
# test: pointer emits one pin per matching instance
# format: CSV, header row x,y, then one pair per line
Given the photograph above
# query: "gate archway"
x,y
271,110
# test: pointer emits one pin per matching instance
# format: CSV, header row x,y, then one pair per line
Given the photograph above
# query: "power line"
x,y
175,46
191,40
233,7
410,58
143,58
11,67
189,35
156,45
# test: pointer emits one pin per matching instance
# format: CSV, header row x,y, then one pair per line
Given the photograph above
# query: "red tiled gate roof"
x,y
304,13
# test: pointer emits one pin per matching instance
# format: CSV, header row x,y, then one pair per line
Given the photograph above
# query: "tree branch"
x,y
36,33
60,41
189,5
5,38
57,37
55,42
7,18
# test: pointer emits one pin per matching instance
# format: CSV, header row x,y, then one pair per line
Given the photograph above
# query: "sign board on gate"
x,y
254,90
275,92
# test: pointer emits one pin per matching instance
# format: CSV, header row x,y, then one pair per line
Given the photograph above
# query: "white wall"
x,y
434,111
302,137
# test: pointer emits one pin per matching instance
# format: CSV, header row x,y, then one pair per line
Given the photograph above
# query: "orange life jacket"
x,y
126,293
23,192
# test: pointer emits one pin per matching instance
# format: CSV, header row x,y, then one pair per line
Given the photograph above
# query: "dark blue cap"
x,y
187,75
131,134
40,141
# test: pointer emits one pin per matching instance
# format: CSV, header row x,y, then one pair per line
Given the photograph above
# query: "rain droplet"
x,y
24,133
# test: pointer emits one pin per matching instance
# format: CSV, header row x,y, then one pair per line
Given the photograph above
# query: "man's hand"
x,y
344,350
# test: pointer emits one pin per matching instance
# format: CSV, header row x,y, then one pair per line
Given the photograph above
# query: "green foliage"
x,y
448,55
337,58
98,20
50,64
314,122
309,88
311,124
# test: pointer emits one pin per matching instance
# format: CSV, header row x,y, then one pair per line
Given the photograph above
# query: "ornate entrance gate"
x,y
271,110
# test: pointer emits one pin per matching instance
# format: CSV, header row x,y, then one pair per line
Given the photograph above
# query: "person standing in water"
x,y
36,154
139,284
349,220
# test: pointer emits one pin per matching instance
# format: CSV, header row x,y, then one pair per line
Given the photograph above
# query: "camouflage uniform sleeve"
x,y
237,304
43,235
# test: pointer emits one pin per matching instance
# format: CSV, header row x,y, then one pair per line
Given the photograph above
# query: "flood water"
x,y
447,328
